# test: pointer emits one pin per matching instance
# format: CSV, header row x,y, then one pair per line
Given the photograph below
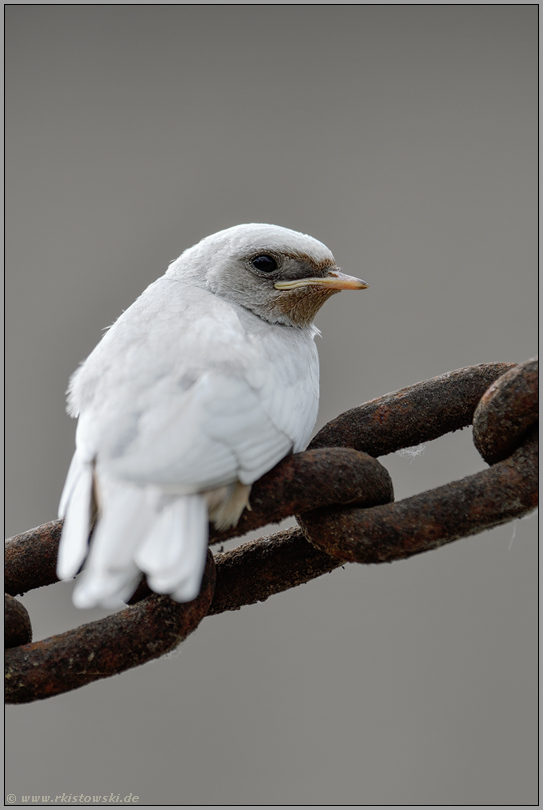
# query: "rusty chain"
x,y
344,502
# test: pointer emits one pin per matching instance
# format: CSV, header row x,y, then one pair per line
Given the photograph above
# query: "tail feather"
x,y
139,530
75,507
174,551
76,466
110,574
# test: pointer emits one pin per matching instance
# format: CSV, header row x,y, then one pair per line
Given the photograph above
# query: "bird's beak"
x,y
333,281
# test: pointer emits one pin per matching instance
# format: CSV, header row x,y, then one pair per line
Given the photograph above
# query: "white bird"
x,y
203,385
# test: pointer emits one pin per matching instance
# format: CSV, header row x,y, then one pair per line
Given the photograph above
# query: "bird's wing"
x,y
206,437
192,398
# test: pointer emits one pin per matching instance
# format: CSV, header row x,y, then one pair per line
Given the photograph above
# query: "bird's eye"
x,y
264,263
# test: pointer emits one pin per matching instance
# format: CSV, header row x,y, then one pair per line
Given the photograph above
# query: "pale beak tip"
x,y
349,283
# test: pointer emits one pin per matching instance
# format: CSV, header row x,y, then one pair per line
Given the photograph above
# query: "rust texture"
x,y
423,522
315,478
18,629
255,571
100,649
413,415
344,501
506,411
31,558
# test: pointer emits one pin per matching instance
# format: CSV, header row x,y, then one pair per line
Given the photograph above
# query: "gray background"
x,y
404,137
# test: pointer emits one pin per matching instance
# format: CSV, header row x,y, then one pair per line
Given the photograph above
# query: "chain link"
x,y
343,499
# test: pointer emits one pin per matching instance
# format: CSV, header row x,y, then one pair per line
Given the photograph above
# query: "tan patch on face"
x,y
302,304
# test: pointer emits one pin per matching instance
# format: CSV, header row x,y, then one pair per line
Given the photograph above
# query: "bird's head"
x,y
281,275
